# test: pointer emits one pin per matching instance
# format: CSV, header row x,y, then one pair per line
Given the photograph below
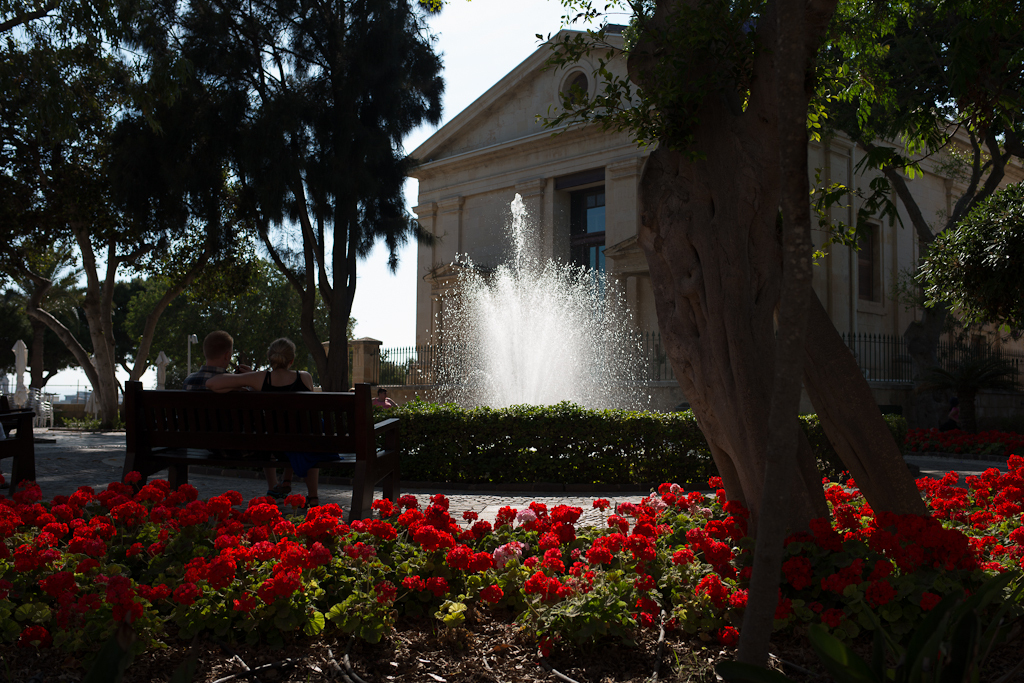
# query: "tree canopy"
x,y
78,101
255,306
976,266
320,96
928,79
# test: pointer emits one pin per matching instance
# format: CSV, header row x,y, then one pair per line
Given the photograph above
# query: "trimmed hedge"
x,y
568,444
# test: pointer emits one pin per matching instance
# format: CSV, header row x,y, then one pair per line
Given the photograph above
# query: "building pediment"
x,y
508,112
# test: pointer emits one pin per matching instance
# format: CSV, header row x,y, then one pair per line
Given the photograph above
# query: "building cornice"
x,y
523,72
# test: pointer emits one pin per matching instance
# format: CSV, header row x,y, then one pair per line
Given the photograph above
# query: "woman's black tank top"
x,y
297,385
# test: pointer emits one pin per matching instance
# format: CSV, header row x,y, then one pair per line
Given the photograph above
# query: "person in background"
x,y
953,419
382,400
218,349
280,377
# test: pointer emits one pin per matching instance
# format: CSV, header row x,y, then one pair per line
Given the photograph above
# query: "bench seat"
x,y
160,424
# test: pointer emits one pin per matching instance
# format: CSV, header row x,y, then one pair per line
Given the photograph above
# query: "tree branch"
x,y
20,19
899,183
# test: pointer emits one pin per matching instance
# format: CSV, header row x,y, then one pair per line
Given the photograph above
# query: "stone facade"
x,y
472,167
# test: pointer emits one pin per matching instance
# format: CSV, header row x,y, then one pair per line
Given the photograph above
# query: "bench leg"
x,y
391,484
23,467
132,464
362,493
177,475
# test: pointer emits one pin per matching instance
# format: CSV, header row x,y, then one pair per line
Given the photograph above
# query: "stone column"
x,y
622,202
426,260
365,360
532,192
449,229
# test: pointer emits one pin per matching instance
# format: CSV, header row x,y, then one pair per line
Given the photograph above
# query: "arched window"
x,y
577,88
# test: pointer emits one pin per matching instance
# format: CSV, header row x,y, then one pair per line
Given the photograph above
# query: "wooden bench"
x,y
19,444
161,425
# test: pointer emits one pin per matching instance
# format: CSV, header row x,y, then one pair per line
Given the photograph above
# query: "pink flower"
x,y
525,516
504,553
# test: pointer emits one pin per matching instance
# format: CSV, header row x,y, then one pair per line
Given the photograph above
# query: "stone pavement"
x,y
66,460
95,459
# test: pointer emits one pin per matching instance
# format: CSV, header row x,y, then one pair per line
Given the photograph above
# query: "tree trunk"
x,y
36,356
852,421
141,363
98,307
926,408
714,262
80,354
795,47
708,230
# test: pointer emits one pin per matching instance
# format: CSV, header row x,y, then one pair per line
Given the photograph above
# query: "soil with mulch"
x,y
490,651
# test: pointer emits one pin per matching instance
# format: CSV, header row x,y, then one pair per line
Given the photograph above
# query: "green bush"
x,y
568,444
828,460
562,443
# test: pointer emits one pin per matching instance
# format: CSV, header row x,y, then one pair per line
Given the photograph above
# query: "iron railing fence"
x,y
881,357
657,365
885,357
409,365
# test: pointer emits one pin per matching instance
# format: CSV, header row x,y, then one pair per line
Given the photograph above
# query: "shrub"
x,y
569,444
559,443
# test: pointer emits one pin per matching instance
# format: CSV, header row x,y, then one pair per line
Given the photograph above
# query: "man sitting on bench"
x,y
218,349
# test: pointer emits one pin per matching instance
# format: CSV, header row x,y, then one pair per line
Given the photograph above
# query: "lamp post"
x,y
192,339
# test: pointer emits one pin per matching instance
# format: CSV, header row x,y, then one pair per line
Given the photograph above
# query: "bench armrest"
x,y
18,416
385,425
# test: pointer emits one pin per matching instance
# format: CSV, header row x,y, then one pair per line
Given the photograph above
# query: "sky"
x,y
480,42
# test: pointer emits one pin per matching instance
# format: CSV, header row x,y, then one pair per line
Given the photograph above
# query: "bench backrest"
x,y
322,422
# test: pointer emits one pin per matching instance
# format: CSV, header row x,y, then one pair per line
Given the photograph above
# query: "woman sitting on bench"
x,y
281,355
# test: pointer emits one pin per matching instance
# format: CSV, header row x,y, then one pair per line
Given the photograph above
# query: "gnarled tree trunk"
x,y
708,228
852,421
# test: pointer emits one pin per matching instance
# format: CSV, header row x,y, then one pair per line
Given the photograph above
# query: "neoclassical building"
x,y
581,186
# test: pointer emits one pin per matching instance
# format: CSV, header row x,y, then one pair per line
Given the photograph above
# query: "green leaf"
x,y
315,624
113,658
186,671
961,650
33,611
842,663
926,638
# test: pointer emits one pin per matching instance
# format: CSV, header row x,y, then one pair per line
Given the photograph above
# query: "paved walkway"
x,y
66,460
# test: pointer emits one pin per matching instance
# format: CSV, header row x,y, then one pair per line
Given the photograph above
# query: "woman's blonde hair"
x,y
281,353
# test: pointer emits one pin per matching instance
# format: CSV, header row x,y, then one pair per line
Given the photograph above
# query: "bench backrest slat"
x,y
314,421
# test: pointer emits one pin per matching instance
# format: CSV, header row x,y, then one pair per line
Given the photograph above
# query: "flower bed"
x,y
956,441
74,567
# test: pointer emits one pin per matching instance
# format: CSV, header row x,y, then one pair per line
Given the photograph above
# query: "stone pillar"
x,y
622,199
532,192
365,360
449,228
426,261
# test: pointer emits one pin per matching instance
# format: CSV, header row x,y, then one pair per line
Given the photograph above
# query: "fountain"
x,y
535,331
